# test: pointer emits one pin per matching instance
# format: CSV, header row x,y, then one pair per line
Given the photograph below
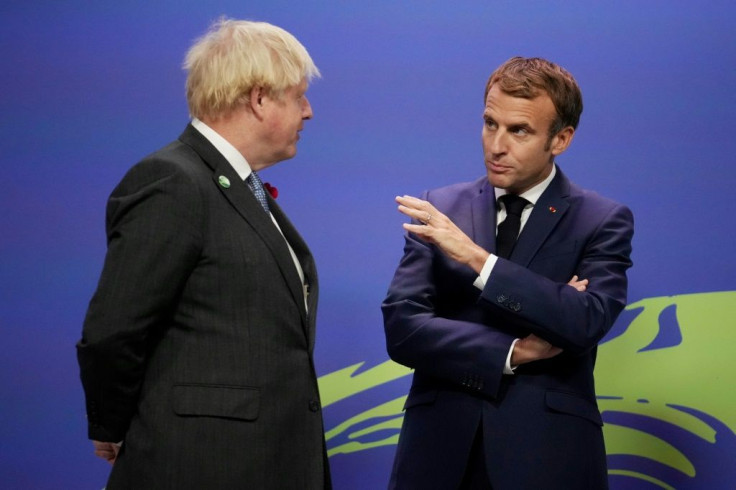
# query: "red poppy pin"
x,y
271,190
552,209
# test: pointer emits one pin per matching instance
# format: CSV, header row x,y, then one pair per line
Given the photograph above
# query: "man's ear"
x,y
562,140
255,100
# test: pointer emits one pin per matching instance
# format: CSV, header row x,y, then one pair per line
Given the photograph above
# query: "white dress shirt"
x,y
532,195
241,166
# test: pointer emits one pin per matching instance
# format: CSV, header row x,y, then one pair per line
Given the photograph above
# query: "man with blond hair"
x,y
196,352
481,306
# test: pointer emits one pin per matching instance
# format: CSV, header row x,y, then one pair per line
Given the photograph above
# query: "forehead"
x,y
302,87
506,108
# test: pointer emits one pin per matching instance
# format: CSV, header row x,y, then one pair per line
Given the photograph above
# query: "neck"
x,y
240,130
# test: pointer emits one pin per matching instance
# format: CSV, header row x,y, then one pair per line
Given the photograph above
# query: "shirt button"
x,y
314,406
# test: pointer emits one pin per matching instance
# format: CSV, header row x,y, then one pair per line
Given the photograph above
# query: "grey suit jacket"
x,y
197,347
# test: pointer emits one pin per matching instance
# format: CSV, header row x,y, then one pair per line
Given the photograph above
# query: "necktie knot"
x,y
256,185
513,203
508,229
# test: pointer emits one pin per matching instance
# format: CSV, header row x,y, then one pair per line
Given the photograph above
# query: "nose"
x,y
306,109
495,141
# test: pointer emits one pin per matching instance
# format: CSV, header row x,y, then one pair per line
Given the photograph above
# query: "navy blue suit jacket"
x,y
541,426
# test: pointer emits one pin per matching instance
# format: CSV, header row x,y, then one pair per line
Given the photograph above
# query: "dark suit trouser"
x,y
476,476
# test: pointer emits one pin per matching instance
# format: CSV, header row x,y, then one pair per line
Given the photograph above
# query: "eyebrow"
x,y
524,126
513,126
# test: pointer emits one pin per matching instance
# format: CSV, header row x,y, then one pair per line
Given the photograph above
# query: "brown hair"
x,y
527,77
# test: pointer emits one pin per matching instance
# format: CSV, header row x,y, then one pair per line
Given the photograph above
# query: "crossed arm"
x,y
441,231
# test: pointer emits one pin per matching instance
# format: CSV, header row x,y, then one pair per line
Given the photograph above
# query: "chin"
x,y
498,181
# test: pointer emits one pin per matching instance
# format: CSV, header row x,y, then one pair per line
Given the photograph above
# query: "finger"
x,y
416,203
104,454
422,231
423,217
114,455
410,201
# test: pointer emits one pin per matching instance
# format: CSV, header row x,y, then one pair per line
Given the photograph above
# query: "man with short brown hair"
x,y
482,309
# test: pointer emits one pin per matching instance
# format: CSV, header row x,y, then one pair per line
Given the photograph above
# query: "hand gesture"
x,y
438,229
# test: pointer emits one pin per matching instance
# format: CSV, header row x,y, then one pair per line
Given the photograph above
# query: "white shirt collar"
x,y
532,195
231,154
240,164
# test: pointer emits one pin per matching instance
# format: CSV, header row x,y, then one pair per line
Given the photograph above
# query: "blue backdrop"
x,y
88,88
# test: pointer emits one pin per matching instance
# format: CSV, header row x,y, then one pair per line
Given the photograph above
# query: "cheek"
x,y
486,142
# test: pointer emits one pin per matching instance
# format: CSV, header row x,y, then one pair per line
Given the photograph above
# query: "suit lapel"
x,y
549,210
308,267
245,203
483,209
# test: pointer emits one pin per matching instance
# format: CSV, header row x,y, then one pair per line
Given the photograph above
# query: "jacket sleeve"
x,y
554,311
153,234
463,350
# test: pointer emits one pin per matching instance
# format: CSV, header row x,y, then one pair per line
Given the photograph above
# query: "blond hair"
x,y
234,57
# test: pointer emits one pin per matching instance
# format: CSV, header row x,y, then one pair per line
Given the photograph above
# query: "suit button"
x,y
501,298
314,406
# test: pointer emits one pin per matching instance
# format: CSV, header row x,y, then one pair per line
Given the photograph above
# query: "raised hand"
x,y
439,229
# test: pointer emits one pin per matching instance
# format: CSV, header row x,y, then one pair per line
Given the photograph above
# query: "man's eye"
x,y
520,131
490,124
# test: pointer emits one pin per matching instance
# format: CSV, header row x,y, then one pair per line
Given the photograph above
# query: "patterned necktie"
x,y
255,184
508,230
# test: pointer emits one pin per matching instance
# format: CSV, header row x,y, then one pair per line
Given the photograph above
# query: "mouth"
x,y
497,167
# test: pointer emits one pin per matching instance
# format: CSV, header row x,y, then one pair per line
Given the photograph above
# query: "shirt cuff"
x,y
508,369
485,272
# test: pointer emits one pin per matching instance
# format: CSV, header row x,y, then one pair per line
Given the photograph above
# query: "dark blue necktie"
x,y
255,184
508,230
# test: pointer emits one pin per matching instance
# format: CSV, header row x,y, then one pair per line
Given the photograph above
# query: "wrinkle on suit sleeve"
x,y
153,230
457,350
558,313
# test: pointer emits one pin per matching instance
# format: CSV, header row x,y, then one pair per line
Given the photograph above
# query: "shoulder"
x,y
592,199
582,198
460,192
175,165
592,207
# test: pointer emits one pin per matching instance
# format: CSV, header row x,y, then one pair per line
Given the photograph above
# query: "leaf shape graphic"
x,y
665,388
693,373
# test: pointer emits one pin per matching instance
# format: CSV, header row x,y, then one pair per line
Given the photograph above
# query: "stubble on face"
x,y
516,141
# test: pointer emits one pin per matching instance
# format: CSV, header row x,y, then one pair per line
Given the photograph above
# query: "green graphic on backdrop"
x,y
677,352
672,362
342,384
